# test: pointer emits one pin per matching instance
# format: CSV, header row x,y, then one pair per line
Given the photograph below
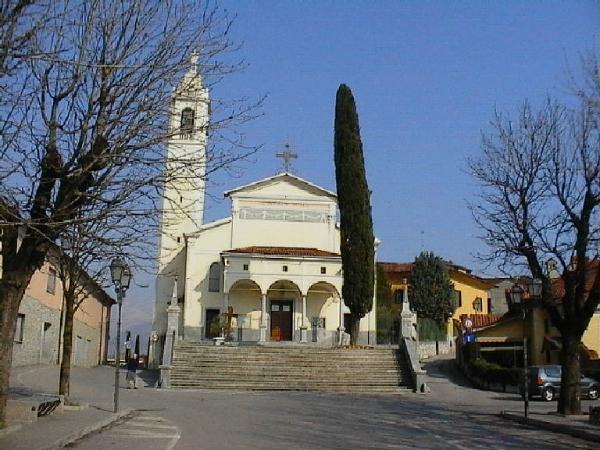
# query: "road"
x,y
453,416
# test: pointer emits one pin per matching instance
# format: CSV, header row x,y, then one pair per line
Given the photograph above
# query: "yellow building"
x,y
471,293
500,339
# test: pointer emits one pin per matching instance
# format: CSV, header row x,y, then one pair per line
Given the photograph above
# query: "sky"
x,y
426,77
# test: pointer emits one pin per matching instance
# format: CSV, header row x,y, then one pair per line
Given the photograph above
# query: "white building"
x,y
273,265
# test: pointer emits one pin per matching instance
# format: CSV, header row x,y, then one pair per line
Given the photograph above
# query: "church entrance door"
x,y
281,320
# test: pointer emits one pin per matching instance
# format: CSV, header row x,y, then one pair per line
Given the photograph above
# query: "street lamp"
x,y
516,296
121,277
534,288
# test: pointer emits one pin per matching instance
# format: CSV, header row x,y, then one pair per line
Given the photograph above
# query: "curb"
x,y
70,438
578,432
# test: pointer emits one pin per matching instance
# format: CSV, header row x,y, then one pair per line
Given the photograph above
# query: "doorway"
x,y
281,320
211,324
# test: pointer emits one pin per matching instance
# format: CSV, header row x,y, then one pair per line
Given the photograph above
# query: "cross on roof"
x,y
287,155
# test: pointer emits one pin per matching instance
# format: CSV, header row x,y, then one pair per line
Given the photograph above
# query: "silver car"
x,y
544,382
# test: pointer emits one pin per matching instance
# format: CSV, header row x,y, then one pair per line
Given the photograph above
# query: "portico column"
x,y
303,334
341,328
226,302
263,318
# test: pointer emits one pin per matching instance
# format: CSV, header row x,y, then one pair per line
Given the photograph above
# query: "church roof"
x,y
284,251
284,176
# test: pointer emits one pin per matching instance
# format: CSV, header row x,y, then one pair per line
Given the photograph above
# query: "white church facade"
x,y
270,272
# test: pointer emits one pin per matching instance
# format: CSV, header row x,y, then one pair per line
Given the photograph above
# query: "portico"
x,y
283,294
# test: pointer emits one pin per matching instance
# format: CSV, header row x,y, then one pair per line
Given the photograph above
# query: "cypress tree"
x,y
356,226
431,291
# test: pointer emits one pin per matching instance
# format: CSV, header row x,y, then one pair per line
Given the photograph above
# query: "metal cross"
x,y
287,156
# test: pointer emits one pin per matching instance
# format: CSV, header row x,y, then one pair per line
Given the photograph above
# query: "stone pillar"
x,y
408,327
341,329
173,312
225,302
263,318
303,327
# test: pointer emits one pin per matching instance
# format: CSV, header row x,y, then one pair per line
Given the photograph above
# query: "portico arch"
x,y
244,298
323,308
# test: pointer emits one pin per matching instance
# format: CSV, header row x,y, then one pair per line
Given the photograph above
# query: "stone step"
x,y
288,368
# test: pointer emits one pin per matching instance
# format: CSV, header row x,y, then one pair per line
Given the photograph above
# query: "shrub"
x,y
494,373
430,330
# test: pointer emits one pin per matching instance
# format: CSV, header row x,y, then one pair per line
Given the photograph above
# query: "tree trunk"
x,y
65,365
10,299
354,329
569,401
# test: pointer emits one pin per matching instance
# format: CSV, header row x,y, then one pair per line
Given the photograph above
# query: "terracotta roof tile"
x,y
284,251
481,320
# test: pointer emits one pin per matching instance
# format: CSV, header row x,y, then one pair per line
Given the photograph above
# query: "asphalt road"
x,y
453,416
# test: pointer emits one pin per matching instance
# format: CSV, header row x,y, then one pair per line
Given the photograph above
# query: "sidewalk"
x,y
89,386
576,426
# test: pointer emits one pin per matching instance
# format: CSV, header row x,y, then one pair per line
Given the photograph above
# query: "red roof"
x,y
284,251
481,320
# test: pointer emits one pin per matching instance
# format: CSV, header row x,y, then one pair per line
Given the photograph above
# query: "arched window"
x,y
187,122
478,304
214,277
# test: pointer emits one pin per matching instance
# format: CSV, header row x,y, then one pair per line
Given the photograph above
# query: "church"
x,y
269,272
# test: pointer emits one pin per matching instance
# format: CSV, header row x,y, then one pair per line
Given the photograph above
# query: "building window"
x,y
323,270
51,283
490,306
214,277
245,266
457,299
19,328
285,268
478,304
399,296
187,123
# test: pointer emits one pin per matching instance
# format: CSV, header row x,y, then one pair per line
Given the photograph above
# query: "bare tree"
x,y
540,179
96,126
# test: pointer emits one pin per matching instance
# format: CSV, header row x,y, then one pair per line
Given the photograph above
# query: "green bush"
x,y
430,330
494,373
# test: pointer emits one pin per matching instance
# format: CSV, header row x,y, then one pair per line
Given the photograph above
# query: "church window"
x,y
214,277
187,122
245,266
323,270
285,268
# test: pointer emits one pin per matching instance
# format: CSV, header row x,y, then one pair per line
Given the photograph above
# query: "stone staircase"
x,y
291,368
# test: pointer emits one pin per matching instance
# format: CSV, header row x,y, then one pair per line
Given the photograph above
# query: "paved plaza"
x,y
453,416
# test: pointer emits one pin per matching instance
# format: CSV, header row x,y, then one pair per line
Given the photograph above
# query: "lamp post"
x,y
516,296
534,288
121,276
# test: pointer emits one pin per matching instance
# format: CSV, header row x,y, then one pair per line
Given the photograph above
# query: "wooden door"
x,y
281,320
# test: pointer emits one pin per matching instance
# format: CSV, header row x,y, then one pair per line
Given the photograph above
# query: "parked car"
x,y
544,382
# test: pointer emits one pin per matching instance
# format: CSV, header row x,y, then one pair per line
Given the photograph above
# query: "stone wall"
x,y
40,343
427,349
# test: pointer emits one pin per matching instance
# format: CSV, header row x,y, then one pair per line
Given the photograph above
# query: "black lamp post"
x,y
534,288
516,297
121,277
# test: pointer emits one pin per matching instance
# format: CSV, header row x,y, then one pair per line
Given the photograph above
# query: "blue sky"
x,y
426,76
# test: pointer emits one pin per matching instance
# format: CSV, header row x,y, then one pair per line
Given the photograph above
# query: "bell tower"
x,y
182,205
183,194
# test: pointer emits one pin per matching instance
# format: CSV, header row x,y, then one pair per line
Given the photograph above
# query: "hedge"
x,y
494,373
